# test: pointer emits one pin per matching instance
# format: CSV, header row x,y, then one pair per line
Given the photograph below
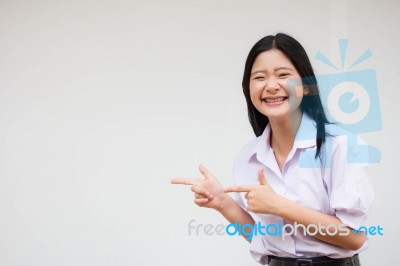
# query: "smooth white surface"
x,y
102,102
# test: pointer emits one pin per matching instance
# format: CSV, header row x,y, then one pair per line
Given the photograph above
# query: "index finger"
x,y
184,181
247,188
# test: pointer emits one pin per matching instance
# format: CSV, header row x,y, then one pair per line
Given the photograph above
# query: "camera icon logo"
x,y
351,100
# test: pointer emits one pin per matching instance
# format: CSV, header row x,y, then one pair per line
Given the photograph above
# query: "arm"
x,y
263,199
231,210
294,212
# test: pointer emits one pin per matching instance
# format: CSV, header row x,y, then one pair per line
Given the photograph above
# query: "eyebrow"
x,y
276,69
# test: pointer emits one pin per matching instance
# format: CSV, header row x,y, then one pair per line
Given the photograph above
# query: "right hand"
x,y
208,192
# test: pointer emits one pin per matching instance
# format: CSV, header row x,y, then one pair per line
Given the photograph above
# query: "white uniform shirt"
x,y
340,188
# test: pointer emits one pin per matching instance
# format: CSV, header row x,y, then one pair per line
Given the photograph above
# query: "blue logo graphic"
x,y
369,231
350,100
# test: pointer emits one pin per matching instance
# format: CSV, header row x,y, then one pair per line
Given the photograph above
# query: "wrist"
x,y
283,208
226,203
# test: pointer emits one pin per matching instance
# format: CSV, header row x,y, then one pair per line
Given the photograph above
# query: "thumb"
x,y
203,170
261,177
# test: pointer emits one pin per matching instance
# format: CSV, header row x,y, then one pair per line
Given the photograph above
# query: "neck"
x,y
283,132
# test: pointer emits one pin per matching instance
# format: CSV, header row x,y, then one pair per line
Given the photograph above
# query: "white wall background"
x,y
102,102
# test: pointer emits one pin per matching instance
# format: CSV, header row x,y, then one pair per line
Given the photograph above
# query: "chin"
x,y
276,114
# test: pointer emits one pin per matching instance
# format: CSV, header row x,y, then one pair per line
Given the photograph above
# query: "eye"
x,y
283,75
259,78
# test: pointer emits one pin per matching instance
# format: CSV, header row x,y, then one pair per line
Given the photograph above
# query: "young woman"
x,y
296,171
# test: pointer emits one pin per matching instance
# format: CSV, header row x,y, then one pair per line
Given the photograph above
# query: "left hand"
x,y
260,198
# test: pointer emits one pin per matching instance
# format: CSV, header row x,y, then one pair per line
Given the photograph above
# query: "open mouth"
x,y
275,99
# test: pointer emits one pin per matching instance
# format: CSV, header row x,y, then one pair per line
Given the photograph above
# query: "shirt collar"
x,y
305,138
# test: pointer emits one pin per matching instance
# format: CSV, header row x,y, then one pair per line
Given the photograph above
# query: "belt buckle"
x,y
304,262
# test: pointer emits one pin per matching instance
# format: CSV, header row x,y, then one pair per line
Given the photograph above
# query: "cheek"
x,y
294,87
296,92
253,98
299,91
295,96
255,91
282,83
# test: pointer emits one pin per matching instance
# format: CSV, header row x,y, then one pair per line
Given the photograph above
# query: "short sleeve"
x,y
351,193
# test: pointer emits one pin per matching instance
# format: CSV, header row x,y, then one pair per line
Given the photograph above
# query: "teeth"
x,y
274,100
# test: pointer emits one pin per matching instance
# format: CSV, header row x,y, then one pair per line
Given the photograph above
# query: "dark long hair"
x,y
311,104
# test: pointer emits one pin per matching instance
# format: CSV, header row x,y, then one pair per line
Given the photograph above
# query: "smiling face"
x,y
269,90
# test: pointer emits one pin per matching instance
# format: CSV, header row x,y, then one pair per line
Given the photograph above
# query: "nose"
x,y
272,84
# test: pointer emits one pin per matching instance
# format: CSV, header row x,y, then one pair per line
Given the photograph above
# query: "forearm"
x,y
294,212
231,210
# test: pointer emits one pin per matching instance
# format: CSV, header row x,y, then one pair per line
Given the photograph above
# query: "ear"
x,y
306,90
